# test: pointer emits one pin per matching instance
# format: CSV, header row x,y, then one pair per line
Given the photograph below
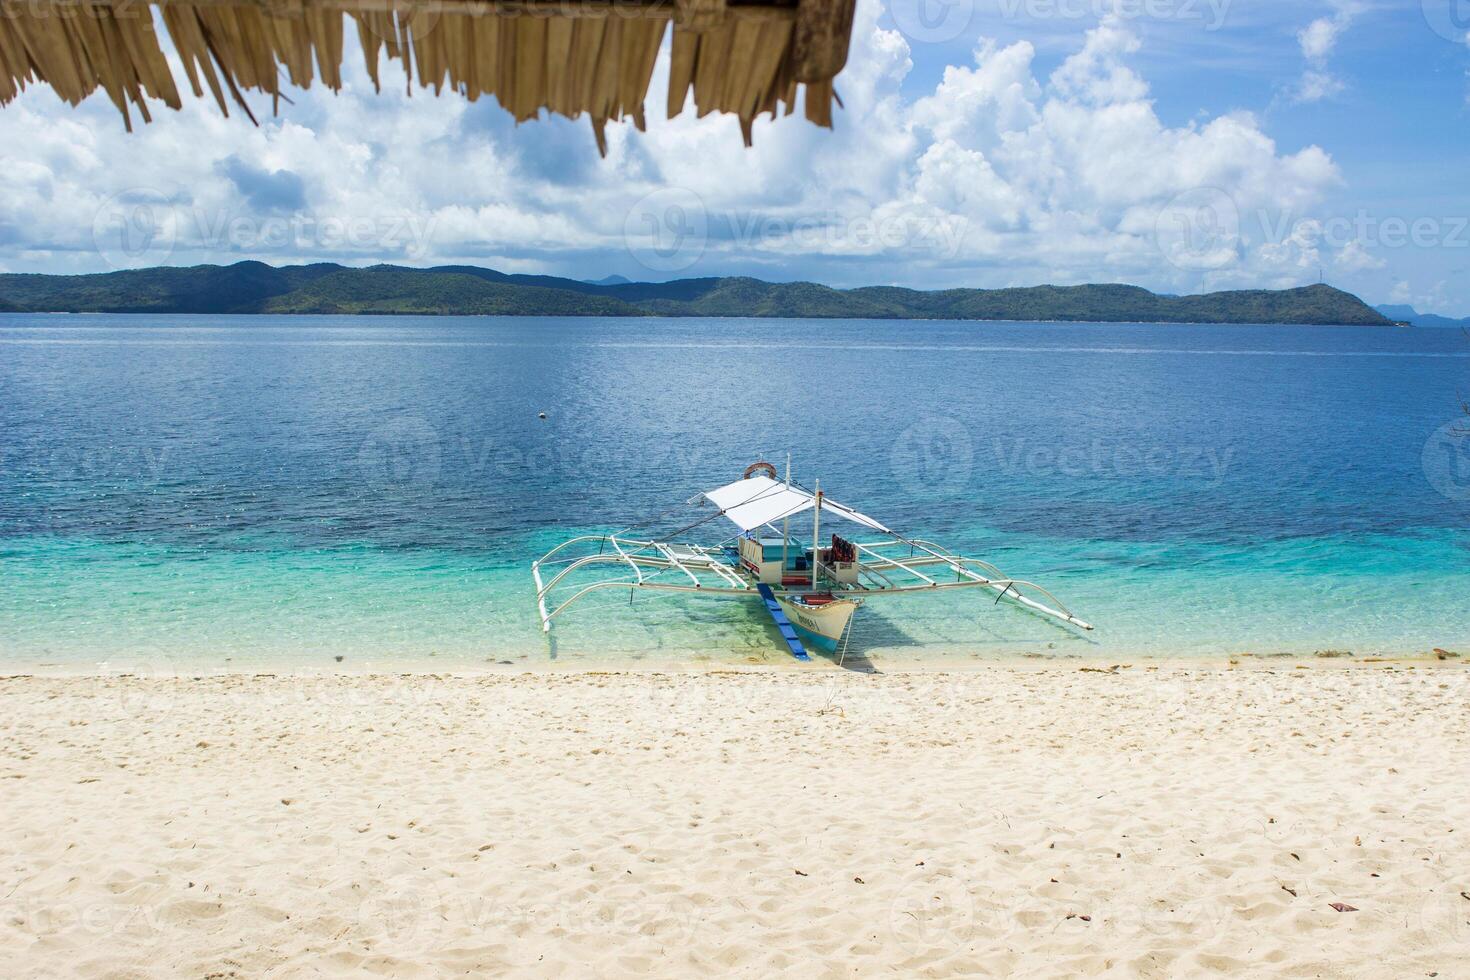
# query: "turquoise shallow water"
x,y
206,492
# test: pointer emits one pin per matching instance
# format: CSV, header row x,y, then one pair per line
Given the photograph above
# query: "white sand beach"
x,y
1033,820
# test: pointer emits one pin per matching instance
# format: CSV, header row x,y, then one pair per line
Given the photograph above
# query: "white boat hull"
x,y
822,624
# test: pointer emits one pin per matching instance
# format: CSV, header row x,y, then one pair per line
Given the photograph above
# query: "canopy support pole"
x,y
786,522
816,533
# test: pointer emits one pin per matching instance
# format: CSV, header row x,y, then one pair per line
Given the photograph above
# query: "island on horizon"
x,y
457,290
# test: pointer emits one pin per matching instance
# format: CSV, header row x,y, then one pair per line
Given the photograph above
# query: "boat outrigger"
x,y
810,592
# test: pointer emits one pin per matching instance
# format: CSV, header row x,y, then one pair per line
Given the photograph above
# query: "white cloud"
x,y
1317,85
1317,40
1096,75
1355,257
997,176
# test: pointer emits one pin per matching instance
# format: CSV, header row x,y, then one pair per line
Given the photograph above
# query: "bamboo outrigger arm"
x,y
934,555
573,57
629,554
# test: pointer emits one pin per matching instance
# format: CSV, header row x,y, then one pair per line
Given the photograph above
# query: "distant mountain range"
x,y
1407,314
254,287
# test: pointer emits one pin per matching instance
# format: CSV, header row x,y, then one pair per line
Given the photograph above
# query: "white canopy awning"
x,y
760,500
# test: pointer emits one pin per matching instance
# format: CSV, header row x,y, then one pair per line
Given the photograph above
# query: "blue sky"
x,y
1182,145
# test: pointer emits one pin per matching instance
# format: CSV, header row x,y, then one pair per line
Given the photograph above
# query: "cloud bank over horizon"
x,y
1015,165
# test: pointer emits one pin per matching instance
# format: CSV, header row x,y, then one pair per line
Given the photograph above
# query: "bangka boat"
x,y
810,591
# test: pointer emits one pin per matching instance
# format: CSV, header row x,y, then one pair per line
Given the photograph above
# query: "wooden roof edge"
x,y
741,58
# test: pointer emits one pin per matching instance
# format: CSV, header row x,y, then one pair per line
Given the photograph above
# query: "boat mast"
x,y
816,534
786,523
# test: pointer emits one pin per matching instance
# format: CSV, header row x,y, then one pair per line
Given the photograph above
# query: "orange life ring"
x,y
754,468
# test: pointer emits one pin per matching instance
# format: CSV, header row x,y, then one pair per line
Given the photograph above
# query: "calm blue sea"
x,y
257,491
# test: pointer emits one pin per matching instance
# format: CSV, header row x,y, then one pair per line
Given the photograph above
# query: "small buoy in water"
x,y
541,415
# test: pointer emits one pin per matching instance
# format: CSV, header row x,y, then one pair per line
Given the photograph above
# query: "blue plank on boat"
x,y
788,632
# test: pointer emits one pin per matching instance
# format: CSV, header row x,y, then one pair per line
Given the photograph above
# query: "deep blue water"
x,y
259,489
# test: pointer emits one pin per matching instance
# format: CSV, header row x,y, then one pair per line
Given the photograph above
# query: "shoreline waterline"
x,y
777,665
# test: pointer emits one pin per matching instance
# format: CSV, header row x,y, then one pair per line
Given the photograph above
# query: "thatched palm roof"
x,y
566,56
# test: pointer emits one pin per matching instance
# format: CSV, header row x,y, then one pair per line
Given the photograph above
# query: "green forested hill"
x,y
385,289
253,287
